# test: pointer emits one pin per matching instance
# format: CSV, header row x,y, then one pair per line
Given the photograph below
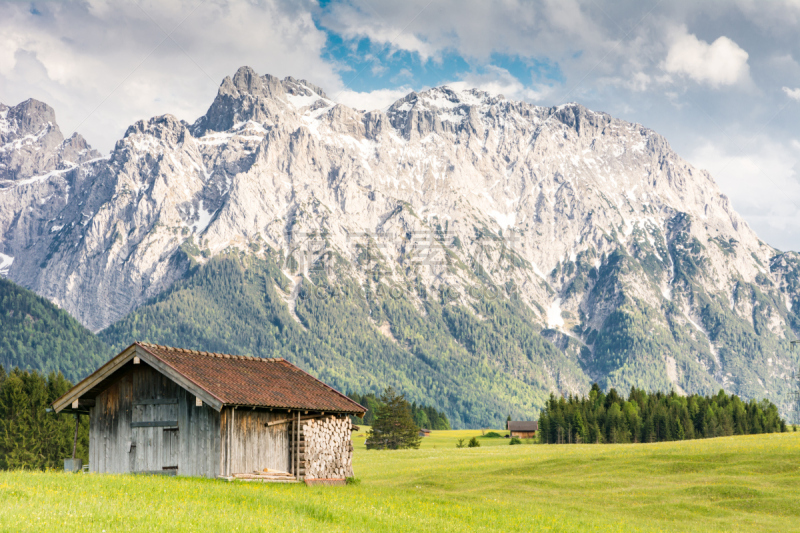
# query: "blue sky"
x,y
368,66
720,80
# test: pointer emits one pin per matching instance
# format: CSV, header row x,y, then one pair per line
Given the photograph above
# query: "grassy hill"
x,y
37,335
726,484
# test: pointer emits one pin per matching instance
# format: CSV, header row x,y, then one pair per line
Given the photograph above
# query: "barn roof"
x,y
223,380
522,426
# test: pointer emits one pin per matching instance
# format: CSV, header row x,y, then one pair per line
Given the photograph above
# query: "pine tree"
x,y
30,437
394,427
581,435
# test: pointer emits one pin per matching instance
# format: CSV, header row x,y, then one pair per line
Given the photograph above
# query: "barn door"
x,y
154,426
169,449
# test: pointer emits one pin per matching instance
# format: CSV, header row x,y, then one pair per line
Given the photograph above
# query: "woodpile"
x,y
328,451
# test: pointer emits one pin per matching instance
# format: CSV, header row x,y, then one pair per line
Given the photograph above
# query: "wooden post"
x,y
297,434
75,440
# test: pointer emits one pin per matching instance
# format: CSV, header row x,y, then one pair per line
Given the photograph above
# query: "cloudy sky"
x,y
721,80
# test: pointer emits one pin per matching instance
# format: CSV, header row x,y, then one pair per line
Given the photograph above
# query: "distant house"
x,y
156,409
523,430
424,432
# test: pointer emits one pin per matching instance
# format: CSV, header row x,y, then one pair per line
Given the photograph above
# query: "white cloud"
x,y
794,94
637,82
722,62
372,100
495,80
762,179
472,28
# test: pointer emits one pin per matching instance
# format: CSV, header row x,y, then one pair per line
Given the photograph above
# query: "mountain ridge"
x,y
594,223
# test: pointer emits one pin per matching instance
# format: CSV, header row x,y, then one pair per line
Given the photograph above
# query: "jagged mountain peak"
x,y
445,97
302,88
31,143
443,109
247,82
166,128
28,117
249,96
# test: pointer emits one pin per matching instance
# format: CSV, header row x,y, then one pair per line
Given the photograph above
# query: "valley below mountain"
x,y
475,252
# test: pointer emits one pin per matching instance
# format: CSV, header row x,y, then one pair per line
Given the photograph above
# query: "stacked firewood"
x,y
328,450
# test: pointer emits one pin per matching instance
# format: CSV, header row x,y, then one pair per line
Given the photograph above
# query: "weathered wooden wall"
x,y
131,427
249,445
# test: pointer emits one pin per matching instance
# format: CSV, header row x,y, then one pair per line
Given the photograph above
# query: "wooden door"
x,y
169,449
155,440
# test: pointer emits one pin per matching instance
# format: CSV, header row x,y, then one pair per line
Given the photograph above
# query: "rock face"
x,y
32,145
36,168
634,263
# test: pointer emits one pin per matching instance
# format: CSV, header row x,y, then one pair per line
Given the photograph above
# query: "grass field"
x,y
747,483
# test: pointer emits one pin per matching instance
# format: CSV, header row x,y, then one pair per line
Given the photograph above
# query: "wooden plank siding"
x,y
146,397
249,445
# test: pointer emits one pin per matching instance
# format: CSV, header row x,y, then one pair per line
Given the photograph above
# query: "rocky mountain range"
x,y
620,254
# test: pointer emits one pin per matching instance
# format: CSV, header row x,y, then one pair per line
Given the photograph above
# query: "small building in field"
x,y
424,432
522,429
157,409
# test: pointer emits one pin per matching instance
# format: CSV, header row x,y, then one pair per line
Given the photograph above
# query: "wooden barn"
x,y
156,409
522,429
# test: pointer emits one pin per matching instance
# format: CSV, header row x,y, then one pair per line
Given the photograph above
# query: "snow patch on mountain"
x,y
5,264
554,318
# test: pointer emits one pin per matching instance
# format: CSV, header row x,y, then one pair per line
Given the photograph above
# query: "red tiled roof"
x,y
253,381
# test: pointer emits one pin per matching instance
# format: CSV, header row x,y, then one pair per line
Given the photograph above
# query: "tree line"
x,y
30,436
424,416
654,417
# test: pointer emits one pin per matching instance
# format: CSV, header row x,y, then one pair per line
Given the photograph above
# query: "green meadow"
x,y
744,483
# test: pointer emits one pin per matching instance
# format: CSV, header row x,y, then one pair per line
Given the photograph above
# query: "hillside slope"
x,y
36,335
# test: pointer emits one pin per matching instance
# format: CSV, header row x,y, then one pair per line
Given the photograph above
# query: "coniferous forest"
x,y
30,436
653,417
37,335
